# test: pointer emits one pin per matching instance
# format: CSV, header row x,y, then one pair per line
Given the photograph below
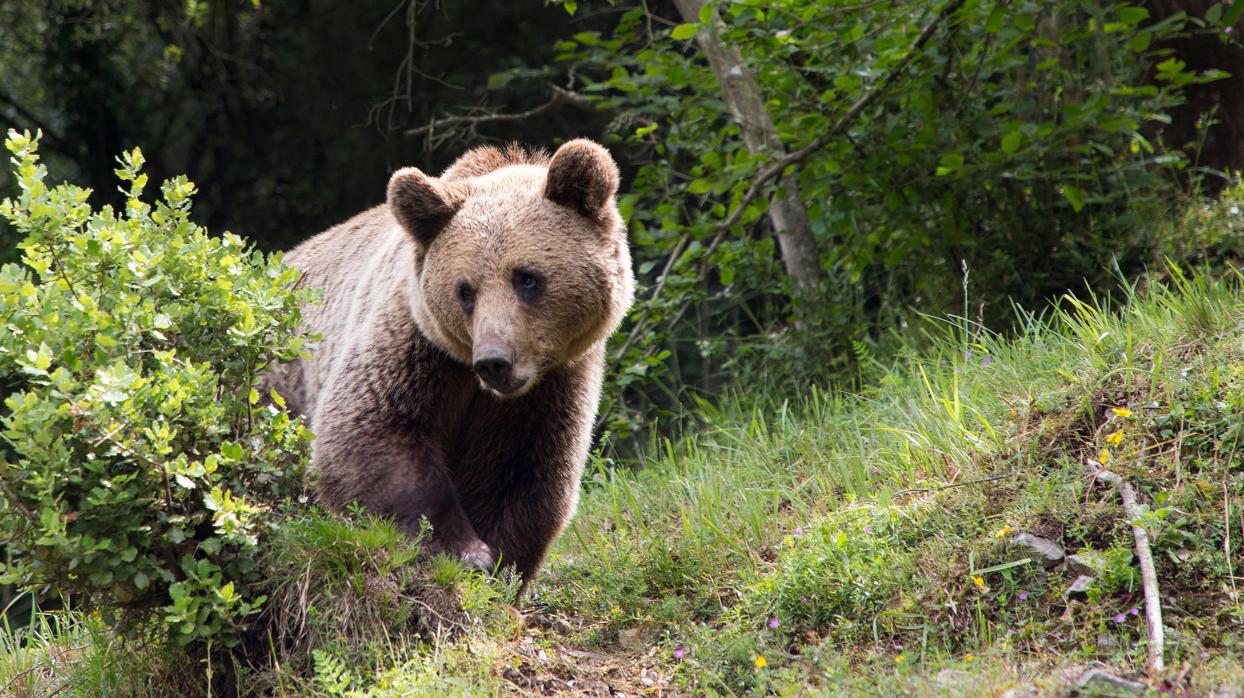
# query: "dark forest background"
x,y
289,116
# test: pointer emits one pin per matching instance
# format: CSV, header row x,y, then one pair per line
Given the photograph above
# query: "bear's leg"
x,y
532,528
519,464
399,478
522,521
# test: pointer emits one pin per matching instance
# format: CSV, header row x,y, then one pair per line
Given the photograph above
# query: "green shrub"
x,y
1211,231
139,467
836,578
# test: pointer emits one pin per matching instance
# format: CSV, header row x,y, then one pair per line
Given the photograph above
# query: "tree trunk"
x,y
742,96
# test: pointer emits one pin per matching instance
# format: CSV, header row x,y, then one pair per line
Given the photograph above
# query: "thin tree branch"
x,y
951,486
16,501
776,167
662,278
403,78
371,41
848,9
746,102
49,134
560,96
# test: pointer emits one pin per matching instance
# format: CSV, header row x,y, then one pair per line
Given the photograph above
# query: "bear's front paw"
x,y
478,555
473,553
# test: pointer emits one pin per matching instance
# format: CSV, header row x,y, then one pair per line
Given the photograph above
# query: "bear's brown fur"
x,y
463,328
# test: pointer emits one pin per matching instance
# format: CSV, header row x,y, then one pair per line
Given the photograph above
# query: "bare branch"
x,y
371,41
662,278
1144,557
560,96
403,91
49,134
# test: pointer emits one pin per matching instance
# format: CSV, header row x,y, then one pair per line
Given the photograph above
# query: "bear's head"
x,y
521,260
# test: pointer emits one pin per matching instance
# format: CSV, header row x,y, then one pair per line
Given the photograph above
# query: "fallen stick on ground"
x,y
1148,576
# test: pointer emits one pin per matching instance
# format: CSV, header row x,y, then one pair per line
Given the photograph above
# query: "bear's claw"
x,y
479,556
475,554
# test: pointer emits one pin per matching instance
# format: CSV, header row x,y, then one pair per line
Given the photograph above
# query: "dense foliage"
x,y
288,115
1011,157
140,466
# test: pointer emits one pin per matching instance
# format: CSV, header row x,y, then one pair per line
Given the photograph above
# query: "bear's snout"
x,y
493,362
497,371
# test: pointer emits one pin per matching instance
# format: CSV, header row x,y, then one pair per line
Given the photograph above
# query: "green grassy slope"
x,y
836,545
868,543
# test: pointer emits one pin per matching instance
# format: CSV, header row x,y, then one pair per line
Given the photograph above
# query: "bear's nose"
x,y
496,371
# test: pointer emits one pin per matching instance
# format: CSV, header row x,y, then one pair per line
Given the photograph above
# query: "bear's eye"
x,y
528,284
466,296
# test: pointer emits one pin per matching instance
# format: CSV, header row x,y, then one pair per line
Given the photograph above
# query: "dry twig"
x,y
951,486
560,96
1144,556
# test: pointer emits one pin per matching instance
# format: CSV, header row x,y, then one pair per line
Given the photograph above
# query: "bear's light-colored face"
x,y
520,268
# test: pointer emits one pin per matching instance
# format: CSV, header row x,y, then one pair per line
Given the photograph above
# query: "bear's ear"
x,y
582,176
423,205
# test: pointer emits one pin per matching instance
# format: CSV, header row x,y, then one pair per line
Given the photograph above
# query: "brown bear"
x,y
462,335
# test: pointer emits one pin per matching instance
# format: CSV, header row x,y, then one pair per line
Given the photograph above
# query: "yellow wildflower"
x,y
1121,411
1115,439
761,662
968,657
979,582
1103,456
1001,532
900,659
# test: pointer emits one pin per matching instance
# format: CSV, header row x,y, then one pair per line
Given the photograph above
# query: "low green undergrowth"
x,y
354,601
793,545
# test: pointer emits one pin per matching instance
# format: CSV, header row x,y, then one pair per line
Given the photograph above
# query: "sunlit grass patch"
x,y
69,653
838,577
